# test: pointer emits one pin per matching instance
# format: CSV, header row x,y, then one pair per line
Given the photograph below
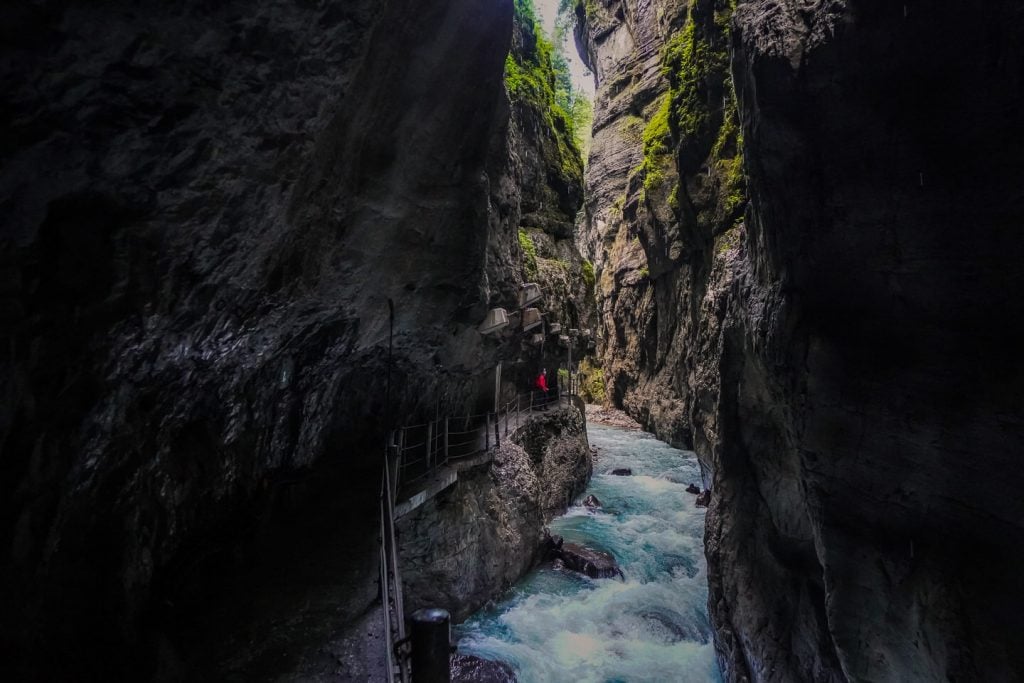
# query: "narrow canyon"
x,y
651,340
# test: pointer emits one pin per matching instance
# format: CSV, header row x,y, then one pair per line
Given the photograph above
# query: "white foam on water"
x,y
653,626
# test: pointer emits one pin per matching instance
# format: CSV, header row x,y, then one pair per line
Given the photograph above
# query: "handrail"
x,y
442,443
435,451
390,578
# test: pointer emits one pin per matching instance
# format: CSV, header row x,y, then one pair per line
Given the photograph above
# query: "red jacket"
x,y
542,382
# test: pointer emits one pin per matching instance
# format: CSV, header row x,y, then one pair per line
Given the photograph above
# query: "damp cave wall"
x,y
843,355
205,211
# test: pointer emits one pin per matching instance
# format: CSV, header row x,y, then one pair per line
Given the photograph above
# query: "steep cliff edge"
x,y
664,204
205,211
843,358
871,397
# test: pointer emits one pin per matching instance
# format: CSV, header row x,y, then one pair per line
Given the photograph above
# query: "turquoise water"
x,y
562,627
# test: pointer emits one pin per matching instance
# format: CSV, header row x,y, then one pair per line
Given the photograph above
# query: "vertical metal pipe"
x,y
385,598
429,444
497,386
446,440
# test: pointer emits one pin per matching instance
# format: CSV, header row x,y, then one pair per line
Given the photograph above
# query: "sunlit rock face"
x,y
844,356
206,208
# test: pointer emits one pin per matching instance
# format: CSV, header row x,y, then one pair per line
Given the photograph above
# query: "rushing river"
x,y
561,627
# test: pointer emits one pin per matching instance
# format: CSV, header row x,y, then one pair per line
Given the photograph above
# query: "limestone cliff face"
x,y
843,358
664,204
205,211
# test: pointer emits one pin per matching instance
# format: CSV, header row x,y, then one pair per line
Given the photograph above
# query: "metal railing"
x,y
413,453
423,448
396,663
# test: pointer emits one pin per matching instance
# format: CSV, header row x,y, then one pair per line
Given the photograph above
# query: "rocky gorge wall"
x,y
205,213
474,540
843,357
664,204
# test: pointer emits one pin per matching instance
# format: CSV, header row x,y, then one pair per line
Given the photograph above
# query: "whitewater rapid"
x,y
653,626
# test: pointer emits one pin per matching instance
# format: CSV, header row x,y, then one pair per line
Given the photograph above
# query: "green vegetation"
x,y
695,61
591,383
656,139
730,239
619,204
644,272
529,250
540,77
588,274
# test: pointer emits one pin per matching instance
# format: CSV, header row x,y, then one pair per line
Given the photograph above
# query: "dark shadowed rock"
x,y
593,563
693,488
839,351
622,472
552,543
473,669
591,501
703,499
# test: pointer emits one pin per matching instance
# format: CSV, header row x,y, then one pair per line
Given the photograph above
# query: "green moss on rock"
x,y
529,250
531,80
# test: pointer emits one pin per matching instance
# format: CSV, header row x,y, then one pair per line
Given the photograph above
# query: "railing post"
x,y
446,440
497,436
430,437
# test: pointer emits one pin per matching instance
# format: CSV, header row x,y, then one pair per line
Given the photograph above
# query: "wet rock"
x,y
593,563
622,472
552,542
611,417
560,453
473,669
693,488
703,499
591,501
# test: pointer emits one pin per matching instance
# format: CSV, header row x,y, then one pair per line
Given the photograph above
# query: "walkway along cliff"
x,y
804,219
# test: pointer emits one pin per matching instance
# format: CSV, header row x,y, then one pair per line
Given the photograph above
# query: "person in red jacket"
x,y
542,385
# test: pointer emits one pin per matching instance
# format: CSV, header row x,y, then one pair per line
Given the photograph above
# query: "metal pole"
x,y
391,338
428,444
497,386
446,439
395,576
570,366
497,436
385,597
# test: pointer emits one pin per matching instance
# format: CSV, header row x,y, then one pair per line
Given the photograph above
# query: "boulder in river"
x,y
704,498
622,472
593,563
692,488
591,501
472,669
